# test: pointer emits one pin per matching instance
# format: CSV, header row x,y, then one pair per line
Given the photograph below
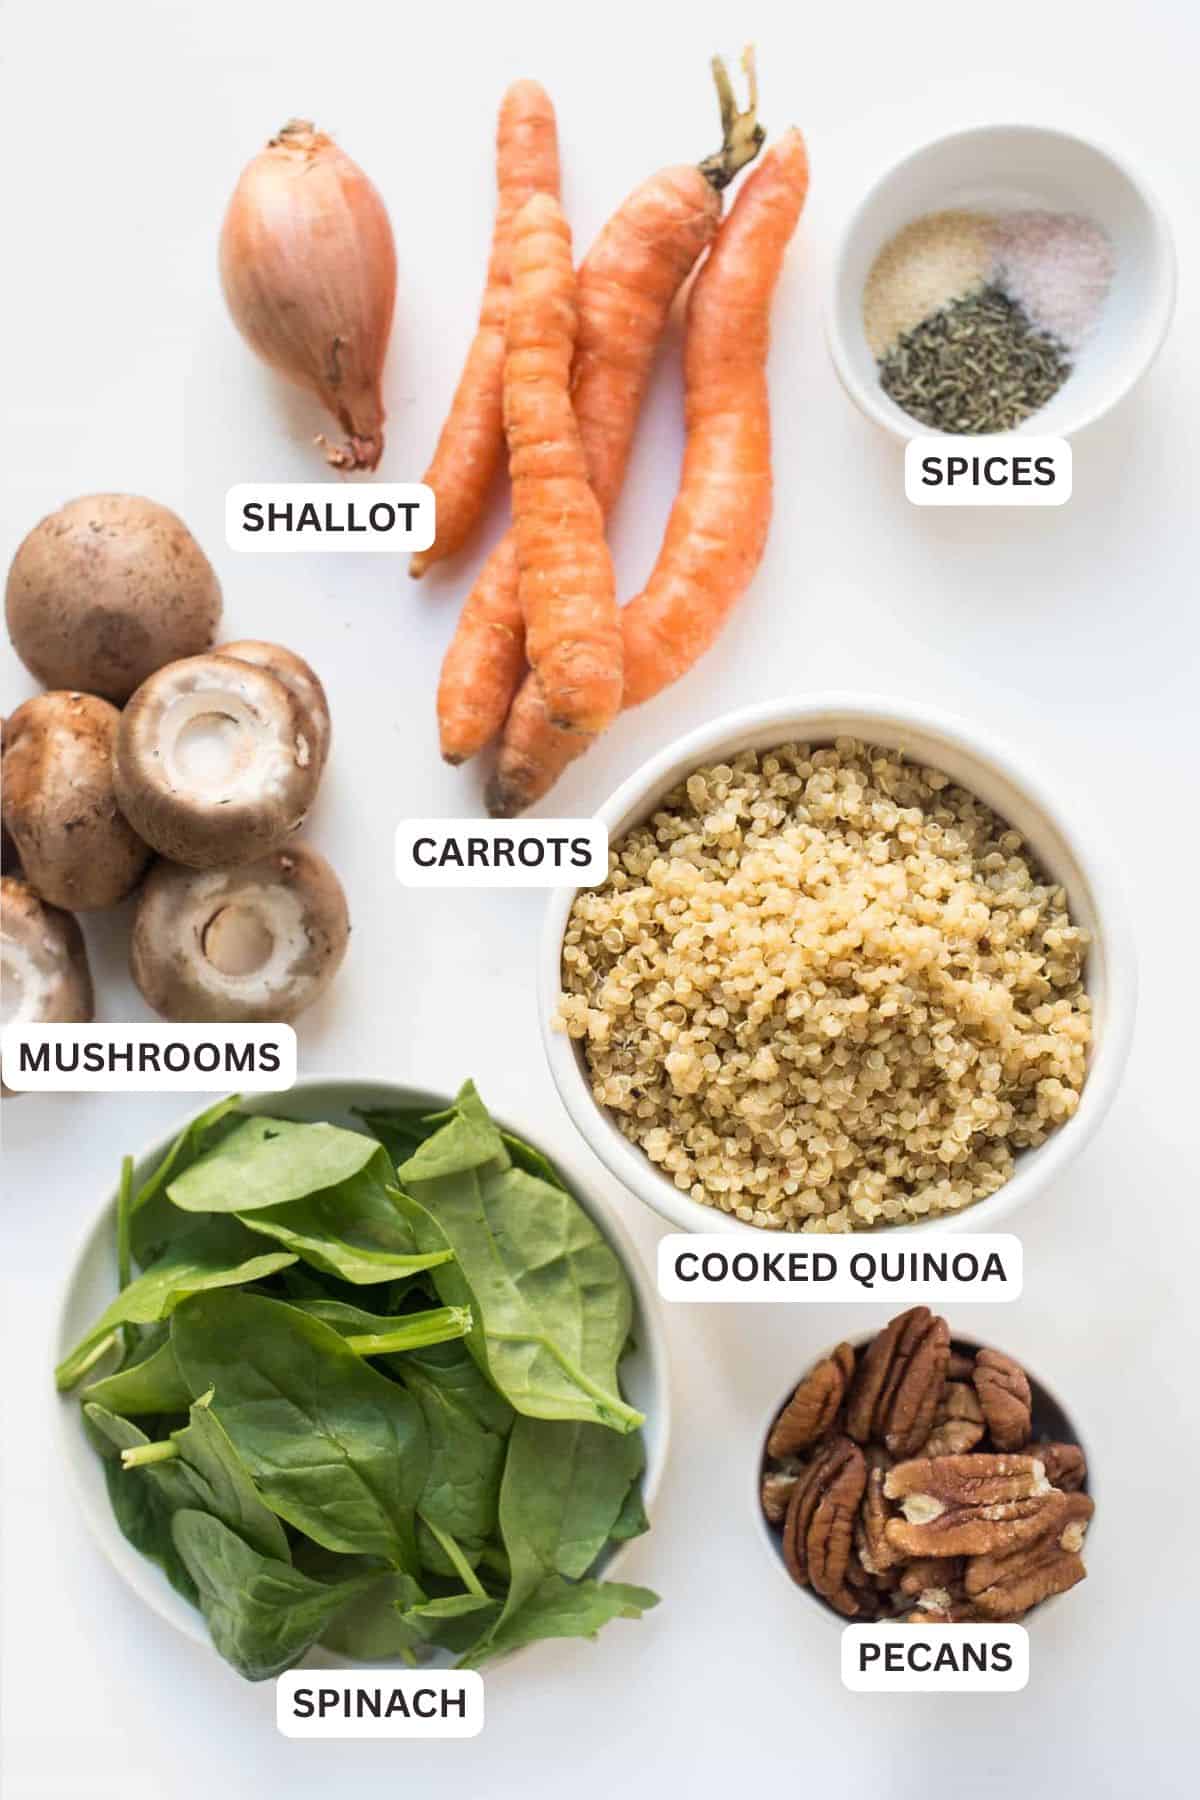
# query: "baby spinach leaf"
x,y
354,1231
466,1458
551,1302
143,1388
140,1505
153,1220
398,1128
559,1608
333,1446
263,1614
631,1521
467,1390
223,1485
212,1255
269,1162
373,1627
563,1489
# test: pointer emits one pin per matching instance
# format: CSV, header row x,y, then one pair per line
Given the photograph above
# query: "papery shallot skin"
x,y
308,264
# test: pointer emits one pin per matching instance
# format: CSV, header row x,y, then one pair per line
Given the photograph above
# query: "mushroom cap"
x,y
59,806
295,674
106,590
259,942
43,962
214,762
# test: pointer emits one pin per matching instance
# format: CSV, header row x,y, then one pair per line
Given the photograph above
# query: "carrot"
x,y
627,284
718,525
566,582
472,441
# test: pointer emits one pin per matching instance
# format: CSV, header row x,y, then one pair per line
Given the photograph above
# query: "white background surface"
x,y
1071,633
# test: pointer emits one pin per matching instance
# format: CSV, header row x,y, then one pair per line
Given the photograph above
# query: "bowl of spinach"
x,y
351,1373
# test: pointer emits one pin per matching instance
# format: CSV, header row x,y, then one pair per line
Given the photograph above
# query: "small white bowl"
x,y
1052,1422
1001,168
92,1282
937,740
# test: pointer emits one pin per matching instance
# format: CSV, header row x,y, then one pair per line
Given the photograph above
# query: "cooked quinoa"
x,y
826,989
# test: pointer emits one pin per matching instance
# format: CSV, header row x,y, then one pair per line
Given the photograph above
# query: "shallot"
x,y
308,265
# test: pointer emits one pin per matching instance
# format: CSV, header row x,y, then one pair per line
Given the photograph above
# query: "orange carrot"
x,y
718,524
469,450
627,284
566,582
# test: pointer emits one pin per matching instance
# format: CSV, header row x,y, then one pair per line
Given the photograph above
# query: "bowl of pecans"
x,y
1004,278
918,1477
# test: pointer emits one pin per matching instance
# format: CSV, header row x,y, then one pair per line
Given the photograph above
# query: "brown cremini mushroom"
x,y
43,964
76,848
107,590
257,942
296,675
215,762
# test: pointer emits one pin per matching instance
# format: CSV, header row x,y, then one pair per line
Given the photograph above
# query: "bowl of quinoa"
x,y
1006,277
849,970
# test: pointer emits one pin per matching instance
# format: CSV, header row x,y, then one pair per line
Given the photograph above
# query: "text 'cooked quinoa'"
x,y
826,989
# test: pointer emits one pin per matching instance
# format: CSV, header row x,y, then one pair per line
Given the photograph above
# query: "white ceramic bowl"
x,y
91,1284
999,168
1073,857
1052,1423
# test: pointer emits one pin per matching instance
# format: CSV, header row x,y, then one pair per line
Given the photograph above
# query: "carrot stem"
x,y
742,136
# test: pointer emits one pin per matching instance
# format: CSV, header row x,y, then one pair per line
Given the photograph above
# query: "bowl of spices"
x,y
850,970
1005,278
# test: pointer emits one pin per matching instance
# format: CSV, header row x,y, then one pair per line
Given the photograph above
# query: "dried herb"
x,y
976,366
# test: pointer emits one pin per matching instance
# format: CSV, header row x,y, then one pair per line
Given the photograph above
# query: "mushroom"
x,y
59,807
215,762
259,942
107,590
295,674
44,976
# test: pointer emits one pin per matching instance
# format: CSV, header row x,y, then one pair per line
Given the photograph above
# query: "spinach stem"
x,y
438,1326
139,1455
466,1573
76,1367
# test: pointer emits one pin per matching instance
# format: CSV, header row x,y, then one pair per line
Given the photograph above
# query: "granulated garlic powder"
x,y
825,989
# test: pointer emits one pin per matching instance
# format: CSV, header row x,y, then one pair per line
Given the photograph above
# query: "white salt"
x,y
1058,267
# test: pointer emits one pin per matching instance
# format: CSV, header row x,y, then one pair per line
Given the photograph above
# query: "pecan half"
x,y
1066,1521
959,1425
777,1485
933,1572
818,1531
967,1505
870,1528
896,1391
1004,1395
1065,1465
936,1608
810,1413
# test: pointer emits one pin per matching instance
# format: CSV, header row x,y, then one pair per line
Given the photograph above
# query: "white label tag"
x,y
329,516
944,1266
943,1659
164,1059
515,853
1009,470
379,1703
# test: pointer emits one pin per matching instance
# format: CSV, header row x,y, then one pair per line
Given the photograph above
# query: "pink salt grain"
x,y
1058,267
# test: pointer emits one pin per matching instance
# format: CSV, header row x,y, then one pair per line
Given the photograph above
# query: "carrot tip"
x,y
455,760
